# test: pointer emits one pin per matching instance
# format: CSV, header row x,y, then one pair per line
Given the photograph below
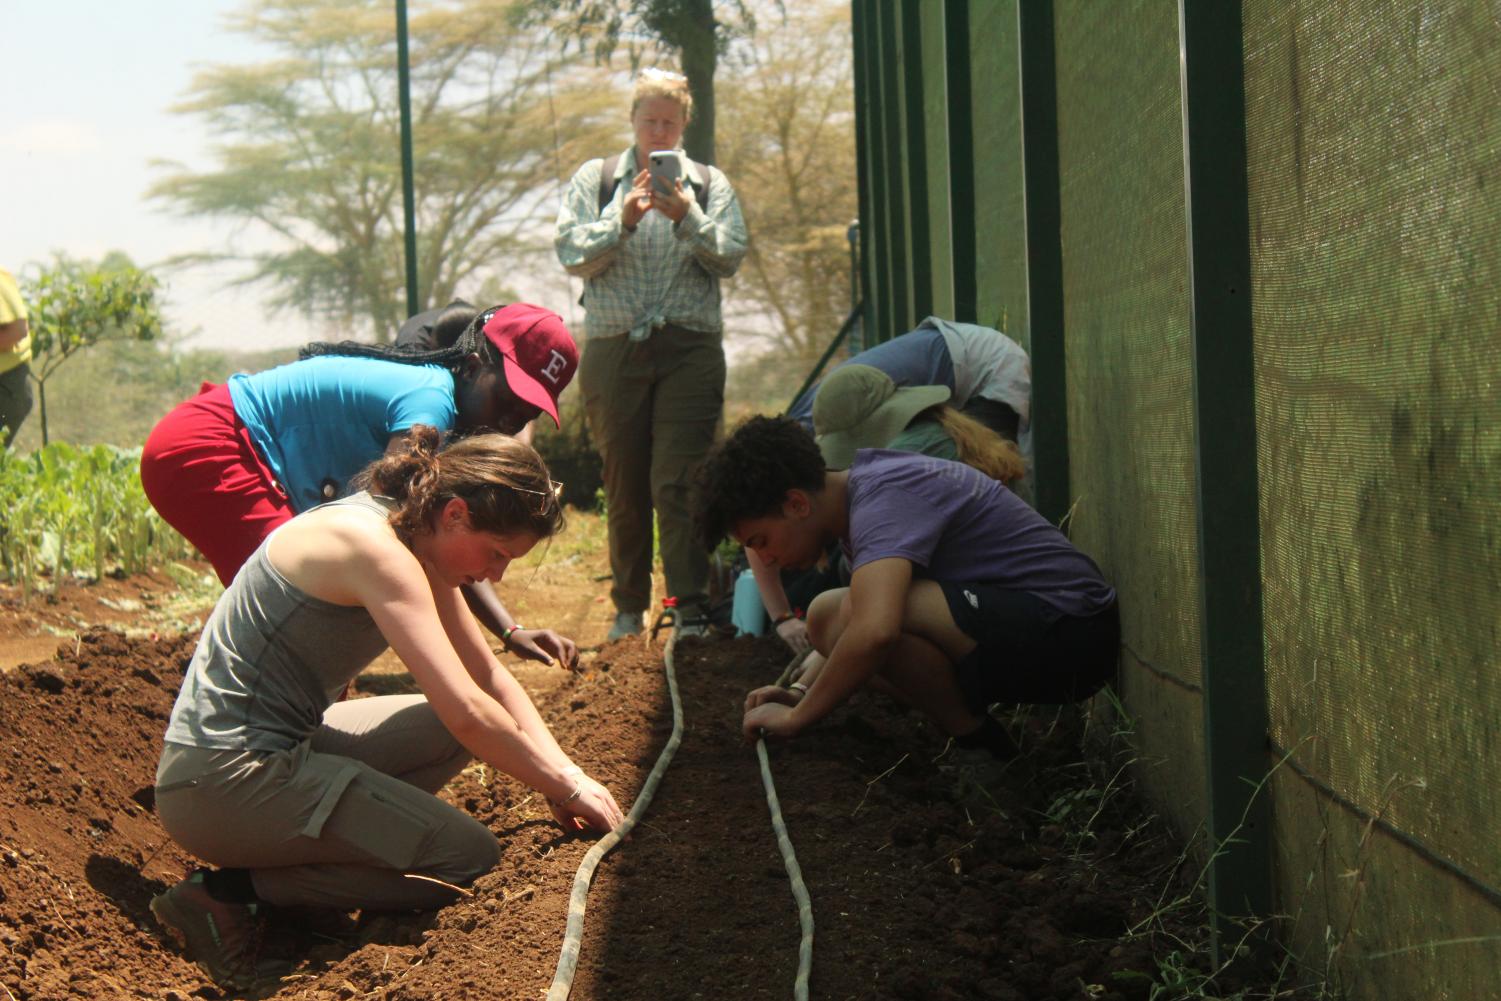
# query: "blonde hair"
x,y
504,482
652,83
979,446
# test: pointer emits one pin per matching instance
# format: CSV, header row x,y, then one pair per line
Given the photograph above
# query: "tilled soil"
x,y
930,878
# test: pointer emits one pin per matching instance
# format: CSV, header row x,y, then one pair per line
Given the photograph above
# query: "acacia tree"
x,y
788,142
309,152
692,30
74,305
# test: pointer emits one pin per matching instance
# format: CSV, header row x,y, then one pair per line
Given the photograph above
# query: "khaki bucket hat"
x,y
859,406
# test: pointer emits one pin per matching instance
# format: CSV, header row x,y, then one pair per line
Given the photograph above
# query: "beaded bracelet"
x,y
505,637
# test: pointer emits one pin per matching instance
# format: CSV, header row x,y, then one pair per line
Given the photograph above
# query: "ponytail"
x,y
469,341
979,446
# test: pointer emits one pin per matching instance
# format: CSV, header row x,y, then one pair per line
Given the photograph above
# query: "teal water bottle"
x,y
747,614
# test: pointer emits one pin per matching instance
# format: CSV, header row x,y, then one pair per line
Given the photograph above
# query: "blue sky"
x,y
96,78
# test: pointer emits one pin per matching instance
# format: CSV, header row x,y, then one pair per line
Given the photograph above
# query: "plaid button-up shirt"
x,y
663,272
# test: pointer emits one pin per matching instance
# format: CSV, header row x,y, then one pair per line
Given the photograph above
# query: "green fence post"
x,y
1219,258
877,223
1039,114
408,196
894,240
916,144
864,288
961,161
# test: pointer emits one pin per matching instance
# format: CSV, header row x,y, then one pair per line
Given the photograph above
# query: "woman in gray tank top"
x,y
304,800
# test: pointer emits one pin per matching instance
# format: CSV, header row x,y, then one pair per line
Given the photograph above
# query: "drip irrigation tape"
x,y
795,874
562,981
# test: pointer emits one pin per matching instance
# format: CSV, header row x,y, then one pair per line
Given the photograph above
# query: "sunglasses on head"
x,y
552,495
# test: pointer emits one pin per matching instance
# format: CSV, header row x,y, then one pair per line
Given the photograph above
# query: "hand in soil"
x,y
595,808
546,646
772,693
794,633
770,719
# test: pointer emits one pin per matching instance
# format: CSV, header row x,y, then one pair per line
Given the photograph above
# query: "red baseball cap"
x,y
539,353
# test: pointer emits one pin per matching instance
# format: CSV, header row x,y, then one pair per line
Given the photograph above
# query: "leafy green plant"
x,y
81,511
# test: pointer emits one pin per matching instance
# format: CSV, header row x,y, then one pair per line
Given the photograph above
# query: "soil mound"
x,y
931,878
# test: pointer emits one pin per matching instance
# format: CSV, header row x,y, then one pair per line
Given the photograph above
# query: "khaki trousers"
x,y
345,819
653,407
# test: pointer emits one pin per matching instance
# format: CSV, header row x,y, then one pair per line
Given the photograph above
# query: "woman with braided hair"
x,y
311,802
228,466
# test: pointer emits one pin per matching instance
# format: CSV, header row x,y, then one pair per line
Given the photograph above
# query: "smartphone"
x,y
666,167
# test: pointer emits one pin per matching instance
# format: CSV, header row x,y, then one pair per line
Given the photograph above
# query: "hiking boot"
x,y
626,624
224,939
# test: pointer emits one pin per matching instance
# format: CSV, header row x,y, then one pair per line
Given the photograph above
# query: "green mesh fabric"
x,y
1373,136
1000,219
936,141
1126,321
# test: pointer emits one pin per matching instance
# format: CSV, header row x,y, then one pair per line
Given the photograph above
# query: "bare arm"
x,y
793,631
476,699
594,806
878,596
769,583
533,644
13,333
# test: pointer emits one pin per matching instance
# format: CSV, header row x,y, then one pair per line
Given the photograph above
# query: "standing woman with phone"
x,y
653,364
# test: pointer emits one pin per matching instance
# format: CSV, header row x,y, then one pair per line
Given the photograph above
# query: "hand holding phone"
x,y
666,166
668,195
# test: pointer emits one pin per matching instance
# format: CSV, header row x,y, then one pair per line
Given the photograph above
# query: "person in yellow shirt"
x,y
15,353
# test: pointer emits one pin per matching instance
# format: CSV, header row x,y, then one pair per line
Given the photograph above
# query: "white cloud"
x,y
56,136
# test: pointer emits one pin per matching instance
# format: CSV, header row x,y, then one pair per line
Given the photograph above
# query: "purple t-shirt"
x,y
956,524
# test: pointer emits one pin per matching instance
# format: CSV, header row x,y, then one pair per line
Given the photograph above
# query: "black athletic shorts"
x,y
1027,651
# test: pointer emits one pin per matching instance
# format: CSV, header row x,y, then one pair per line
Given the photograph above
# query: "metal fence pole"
x,y
874,174
919,225
408,195
1039,116
1219,257
894,254
961,160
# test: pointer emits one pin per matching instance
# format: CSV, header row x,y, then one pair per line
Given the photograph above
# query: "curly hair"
x,y
504,482
748,474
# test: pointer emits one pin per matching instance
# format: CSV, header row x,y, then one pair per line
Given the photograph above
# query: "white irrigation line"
x,y
562,981
795,874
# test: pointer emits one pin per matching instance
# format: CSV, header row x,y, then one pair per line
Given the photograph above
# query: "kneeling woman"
x,y
961,595
307,801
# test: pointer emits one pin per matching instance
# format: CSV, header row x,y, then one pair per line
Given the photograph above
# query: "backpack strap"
x,y
703,184
608,182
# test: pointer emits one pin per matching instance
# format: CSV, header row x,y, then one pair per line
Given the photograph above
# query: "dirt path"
x,y
930,879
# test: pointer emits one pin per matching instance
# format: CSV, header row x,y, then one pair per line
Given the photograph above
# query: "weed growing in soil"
x,y
1087,807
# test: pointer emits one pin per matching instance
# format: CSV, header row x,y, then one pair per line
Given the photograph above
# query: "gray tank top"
x,y
271,659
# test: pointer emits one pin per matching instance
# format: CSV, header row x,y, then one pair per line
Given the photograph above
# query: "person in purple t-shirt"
x,y
961,596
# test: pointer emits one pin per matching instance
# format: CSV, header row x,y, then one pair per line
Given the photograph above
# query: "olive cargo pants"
x,y
345,819
653,407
